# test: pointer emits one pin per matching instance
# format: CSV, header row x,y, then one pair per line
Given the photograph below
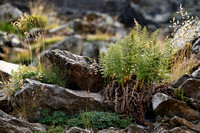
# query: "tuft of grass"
x,y
6,26
49,76
183,61
27,22
179,94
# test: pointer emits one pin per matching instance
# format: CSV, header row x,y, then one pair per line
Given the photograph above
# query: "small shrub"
x,y
94,120
57,118
99,120
50,76
179,94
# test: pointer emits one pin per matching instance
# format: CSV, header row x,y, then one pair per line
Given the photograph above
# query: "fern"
x,y
137,53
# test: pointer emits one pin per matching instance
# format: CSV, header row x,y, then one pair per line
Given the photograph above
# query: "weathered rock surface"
x,y
180,81
9,124
91,49
5,70
130,129
194,103
82,72
191,88
166,106
180,121
196,73
180,130
38,96
9,12
5,103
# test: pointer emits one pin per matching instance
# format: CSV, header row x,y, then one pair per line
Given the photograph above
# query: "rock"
x,y
180,130
60,30
5,70
5,103
130,129
70,43
186,34
78,130
196,46
83,27
37,96
91,49
9,13
191,88
9,124
180,81
196,73
180,121
166,106
83,72
194,103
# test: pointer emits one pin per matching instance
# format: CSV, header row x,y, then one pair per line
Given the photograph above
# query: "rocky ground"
x,y
73,47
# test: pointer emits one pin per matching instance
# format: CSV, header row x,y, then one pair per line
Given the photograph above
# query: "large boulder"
x,y
82,72
9,124
36,96
72,43
166,106
9,12
191,88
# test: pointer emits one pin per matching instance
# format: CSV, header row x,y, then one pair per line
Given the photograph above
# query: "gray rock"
x,y
82,72
9,124
78,130
196,73
91,49
194,103
5,70
60,30
191,88
72,44
9,13
37,96
130,129
180,81
166,106
196,46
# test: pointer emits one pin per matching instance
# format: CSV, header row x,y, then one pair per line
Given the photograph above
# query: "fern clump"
x,y
138,54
